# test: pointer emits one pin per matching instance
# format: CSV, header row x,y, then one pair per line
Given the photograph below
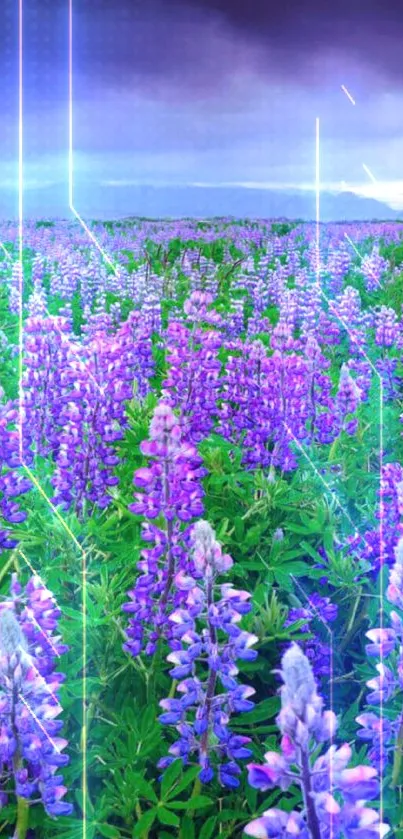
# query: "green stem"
x,y
173,689
354,611
22,818
333,450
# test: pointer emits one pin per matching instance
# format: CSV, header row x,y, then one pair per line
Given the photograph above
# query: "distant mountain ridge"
x,y
241,202
95,201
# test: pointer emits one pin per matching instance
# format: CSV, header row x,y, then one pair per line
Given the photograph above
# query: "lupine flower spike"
x,y
30,749
209,643
333,795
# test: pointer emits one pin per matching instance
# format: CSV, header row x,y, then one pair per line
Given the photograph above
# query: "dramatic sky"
x,y
203,91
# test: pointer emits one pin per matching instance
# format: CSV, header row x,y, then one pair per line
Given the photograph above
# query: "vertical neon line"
x,y
317,191
381,592
20,228
71,104
84,558
84,728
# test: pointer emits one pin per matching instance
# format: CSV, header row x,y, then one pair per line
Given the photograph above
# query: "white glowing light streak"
x,y
344,89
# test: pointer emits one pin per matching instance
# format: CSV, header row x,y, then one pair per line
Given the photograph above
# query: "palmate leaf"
x,y
145,823
187,778
196,802
208,829
264,711
108,830
169,778
166,816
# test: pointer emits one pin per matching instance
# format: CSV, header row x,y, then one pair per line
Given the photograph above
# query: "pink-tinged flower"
x,y
208,644
29,705
172,491
328,726
382,686
207,555
382,640
183,582
359,783
394,592
302,727
288,748
327,809
271,774
144,477
363,823
371,723
276,824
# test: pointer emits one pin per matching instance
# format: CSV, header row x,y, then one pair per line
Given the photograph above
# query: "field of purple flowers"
x,y
201,531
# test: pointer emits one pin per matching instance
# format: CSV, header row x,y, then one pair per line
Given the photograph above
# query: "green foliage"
x,y
332,493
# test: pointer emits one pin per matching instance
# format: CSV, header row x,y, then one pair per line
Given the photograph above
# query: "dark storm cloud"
x,y
201,42
193,48
372,29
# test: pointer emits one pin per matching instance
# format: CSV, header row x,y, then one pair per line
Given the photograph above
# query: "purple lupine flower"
x,y
172,490
266,401
12,484
193,377
387,327
317,651
387,643
373,268
348,398
30,750
90,418
378,552
333,794
209,644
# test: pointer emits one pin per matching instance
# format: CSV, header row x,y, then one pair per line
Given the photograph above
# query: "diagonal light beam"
x,y
344,89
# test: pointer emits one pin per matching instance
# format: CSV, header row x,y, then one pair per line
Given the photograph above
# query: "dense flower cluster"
x,y
348,398
172,494
373,268
384,732
209,642
12,482
73,398
269,402
193,376
333,795
30,748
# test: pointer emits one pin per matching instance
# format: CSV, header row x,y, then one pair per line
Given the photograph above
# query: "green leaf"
x,y
297,528
146,821
145,789
187,827
109,831
230,815
264,711
208,828
167,817
169,777
188,777
283,579
194,803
